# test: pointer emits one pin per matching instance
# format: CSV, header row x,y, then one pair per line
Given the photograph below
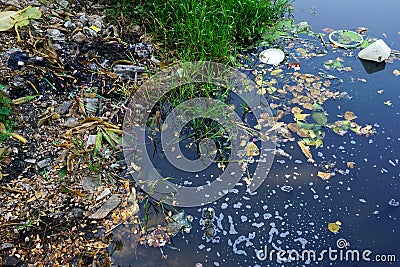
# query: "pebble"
x,y
79,38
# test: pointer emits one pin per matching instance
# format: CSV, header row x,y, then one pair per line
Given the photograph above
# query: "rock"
x,y
91,183
55,46
63,3
63,108
96,20
106,208
55,35
69,25
103,194
142,50
89,32
44,163
83,19
70,121
91,140
79,38
6,246
19,81
377,51
77,213
127,71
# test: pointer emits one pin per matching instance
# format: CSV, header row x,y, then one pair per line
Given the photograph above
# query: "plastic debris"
x,y
272,56
346,39
394,203
287,188
181,221
377,51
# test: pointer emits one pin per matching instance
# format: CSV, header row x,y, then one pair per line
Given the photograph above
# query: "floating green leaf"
x,y
317,107
320,117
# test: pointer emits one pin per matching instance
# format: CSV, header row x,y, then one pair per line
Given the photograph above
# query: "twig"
x,y
3,188
323,41
111,229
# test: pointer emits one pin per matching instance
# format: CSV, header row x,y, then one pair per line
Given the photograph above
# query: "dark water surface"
x,y
298,219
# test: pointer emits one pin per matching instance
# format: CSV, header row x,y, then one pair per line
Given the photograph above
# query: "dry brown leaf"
x,y
349,115
306,150
324,175
350,164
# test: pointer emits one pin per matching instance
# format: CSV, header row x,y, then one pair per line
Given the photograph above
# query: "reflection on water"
x,y
283,219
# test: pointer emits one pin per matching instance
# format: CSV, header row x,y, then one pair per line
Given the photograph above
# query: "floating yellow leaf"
x,y
300,116
259,80
252,149
262,91
396,72
247,181
296,110
306,150
350,164
334,227
307,106
311,134
302,51
388,103
273,105
276,72
324,175
243,143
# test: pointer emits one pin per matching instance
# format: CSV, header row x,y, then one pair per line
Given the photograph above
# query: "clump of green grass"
x,y
203,29
5,115
211,29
